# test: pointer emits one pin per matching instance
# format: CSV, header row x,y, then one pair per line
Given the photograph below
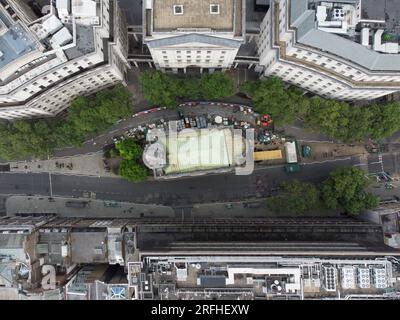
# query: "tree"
x,y
296,197
132,171
37,138
89,116
190,88
329,117
360,120
216,85
270,96
160,89
385,120
129,149
345,189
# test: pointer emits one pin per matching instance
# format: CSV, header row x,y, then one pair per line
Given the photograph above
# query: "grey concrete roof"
x,y
305,23
193,37
212,281
351,51
373,9
88,247
297,8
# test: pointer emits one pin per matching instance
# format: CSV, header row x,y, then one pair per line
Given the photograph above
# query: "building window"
x,y
178,9
214,8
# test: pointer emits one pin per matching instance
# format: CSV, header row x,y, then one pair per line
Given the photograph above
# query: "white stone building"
x,y
204,34
77,48
331,48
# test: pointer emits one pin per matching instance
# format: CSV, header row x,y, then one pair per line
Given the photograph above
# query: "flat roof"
x,y
202,149
373,10
196,14
88,247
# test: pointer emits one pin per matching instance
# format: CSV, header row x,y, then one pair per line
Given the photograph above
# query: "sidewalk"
x,y
237,210
93,209
90,164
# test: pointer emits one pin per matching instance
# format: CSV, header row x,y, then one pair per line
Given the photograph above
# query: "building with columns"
x,y
76,47
190,33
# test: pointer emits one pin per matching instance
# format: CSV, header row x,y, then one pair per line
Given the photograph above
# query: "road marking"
x,y
316,141
333,160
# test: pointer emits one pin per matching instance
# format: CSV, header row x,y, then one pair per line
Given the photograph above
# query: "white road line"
x,y
333,160
316,141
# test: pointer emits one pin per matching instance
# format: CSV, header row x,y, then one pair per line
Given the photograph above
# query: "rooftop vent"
x,y
338,14
178,9
214,8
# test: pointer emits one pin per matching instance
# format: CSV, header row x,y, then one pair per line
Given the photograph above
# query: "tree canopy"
x,y
336,119
270,96
129,149
345,189
132,171
216,85
296,197
37,137
131,166
165,89
160,88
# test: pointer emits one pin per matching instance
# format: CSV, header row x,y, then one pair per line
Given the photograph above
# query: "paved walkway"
x,y
237,209
94,208
90,164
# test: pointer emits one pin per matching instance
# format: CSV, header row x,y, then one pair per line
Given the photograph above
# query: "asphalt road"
x,y
186,191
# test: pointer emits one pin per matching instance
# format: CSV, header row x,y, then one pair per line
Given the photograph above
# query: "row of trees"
x,y
86,116
165,89
131,166
336,119
344,190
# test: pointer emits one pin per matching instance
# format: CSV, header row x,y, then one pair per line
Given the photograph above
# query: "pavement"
x,y
95,208
90,164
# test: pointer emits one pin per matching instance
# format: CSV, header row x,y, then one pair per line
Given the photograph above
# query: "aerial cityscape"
x,y
200,150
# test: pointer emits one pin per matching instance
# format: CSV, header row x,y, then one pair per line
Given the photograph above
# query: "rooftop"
x,y
374,10
88,247
330,26
15,43
203,149
195,14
